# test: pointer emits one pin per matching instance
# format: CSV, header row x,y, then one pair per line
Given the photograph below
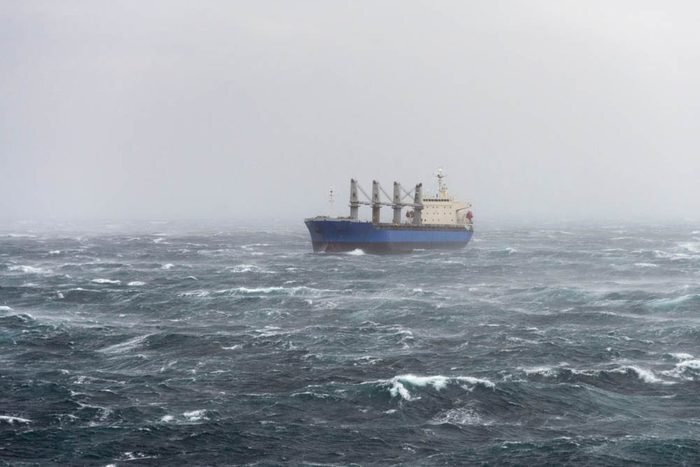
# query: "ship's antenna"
x,y
442,185
331,202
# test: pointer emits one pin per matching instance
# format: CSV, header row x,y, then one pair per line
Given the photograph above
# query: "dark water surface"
x,y
531,346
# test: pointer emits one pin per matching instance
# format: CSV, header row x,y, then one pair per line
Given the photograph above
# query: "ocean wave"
x,y
29,269
195,293
186,418
106,281
18,235
400,385
564,372
681,356
675,301
125,346
458,416
274,290
12,420
643,374
693,247
195,415
646,265
244,268
356,252
688,369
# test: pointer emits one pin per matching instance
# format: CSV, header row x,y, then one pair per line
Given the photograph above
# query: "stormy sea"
x,y
170,344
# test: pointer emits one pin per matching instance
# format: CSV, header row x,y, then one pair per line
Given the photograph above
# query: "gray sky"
x,y
540,110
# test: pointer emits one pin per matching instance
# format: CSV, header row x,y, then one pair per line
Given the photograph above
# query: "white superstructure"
x,y
443,209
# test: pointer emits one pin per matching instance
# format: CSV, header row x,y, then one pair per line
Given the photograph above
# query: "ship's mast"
x,y
331,202
442,185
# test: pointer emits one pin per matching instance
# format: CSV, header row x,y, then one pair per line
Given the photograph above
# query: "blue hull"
x,y
333,235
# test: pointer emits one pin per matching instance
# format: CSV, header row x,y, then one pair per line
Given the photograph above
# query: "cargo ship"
x,y
432,222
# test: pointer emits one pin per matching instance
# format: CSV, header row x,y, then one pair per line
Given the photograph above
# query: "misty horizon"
x,y
545,112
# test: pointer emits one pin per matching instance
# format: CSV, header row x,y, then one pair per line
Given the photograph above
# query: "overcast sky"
x,y
546,110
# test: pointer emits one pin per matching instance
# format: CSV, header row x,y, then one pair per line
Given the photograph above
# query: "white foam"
x,y
106,281
253,245
194,293
29,269
124,346
299,290
645,375
12,420
691,364
195,415
355,252
646,265
671,302
55,252
18,235
681,356
233,347
398,384
136,284
167,418
458,416
693,247
244,268
167,266
540,370
5,308
239,268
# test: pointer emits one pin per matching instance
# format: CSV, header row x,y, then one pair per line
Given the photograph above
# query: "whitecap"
x,y
458,416
689,364
645,375
547,371
241,268
292,291
194,293
672,302
398,385
106,281
12,420
167,266
682,356
167,418
646,265
693,247
5,308
29,269
124,346
233,347
55,252
356,252
136,284
18,235
195,415
686,369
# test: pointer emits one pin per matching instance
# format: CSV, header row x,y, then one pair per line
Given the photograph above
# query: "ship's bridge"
x,y
443,209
